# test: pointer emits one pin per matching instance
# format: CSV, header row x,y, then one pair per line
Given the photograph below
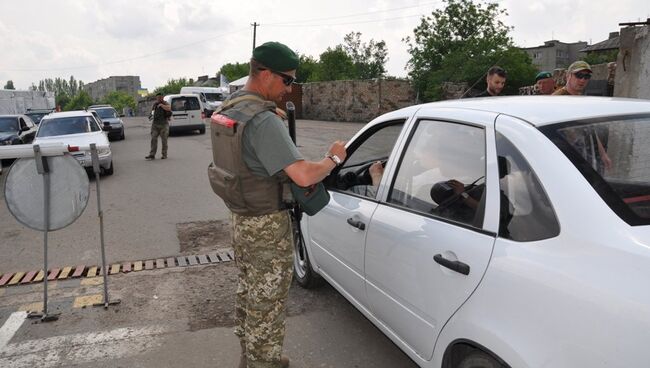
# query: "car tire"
x,y
479,359
202,130
109,171
122,137
303,273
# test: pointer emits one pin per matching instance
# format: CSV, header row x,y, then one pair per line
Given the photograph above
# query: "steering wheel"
x,y
363,173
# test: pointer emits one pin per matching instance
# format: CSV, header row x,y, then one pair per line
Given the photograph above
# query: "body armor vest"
x,y
243,192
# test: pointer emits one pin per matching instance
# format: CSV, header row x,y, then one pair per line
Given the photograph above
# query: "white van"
x,y
187,113
211,97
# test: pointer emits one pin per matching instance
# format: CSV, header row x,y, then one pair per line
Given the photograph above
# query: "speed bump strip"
x,y
14,280
29,277
182,262
203,259
171,262
192,260
39,276
78,271
92,271
87,300
148,264
126,267
5,278
65,272
115,268
160,263
53,274
213,258
137,266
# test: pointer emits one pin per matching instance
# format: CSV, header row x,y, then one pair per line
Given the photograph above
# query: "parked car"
x,y
37,114
107,114
77,128
15,129
187,113
505,232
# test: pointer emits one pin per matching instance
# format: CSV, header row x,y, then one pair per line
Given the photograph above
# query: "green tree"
x,y
9,85
234,71
79,102
594,58
459,43
119,100
173,86
307,69
369,59
335,64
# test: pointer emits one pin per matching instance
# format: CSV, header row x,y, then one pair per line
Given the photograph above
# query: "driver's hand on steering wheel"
x,y
376,171
457,186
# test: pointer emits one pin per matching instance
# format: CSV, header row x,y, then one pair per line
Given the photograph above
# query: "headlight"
x,y
103,151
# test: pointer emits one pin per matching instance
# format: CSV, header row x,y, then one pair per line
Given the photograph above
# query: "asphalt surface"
x,y
177,316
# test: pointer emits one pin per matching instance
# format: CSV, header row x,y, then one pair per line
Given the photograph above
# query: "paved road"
x,y
143,201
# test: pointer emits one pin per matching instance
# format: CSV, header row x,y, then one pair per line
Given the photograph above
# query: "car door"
x,y
429,240
337,233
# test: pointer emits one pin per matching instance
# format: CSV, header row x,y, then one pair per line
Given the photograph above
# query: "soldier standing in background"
x,y
159,127
253,156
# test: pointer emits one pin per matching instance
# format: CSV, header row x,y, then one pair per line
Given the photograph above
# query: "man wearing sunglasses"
x,y
577,78
253,158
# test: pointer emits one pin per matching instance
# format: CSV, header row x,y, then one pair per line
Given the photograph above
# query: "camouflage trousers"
x,y
264,254
163,132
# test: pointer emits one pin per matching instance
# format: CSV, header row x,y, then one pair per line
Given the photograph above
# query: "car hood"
x,y
8,135
81,139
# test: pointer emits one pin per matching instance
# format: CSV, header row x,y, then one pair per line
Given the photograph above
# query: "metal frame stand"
x,y
43,168
97,170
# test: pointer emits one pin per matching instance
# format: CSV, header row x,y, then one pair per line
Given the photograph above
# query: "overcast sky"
x,y
159,40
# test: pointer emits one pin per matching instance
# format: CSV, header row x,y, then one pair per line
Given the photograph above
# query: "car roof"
x,y
68,114
182,95
10,115
543,110
98,106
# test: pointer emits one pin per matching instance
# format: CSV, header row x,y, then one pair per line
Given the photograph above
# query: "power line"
x,y
144,56
351,15
346,23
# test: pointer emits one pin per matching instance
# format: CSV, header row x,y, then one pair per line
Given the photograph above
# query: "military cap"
x,y
578,66
276,56
543,75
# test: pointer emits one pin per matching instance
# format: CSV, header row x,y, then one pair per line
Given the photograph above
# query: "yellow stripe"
x,y
115,269
137,266
64,273
14,280
92,271
33,307
39,276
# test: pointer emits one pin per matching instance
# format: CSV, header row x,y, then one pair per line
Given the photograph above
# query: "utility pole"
x,y
255,24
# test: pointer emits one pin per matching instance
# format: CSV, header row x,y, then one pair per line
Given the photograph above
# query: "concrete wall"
x,y
18,102
98,89
355,100
633,63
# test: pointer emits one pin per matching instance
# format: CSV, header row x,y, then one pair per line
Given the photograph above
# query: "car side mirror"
x,y
24,128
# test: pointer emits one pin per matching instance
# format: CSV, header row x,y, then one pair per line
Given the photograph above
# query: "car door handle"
x,y
457,266
356,223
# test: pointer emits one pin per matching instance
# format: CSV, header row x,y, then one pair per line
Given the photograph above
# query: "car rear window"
x,y
106,113
185,103
8,124
67,125
613,154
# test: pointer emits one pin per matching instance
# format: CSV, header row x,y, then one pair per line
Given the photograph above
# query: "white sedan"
x,y
504,232
77,128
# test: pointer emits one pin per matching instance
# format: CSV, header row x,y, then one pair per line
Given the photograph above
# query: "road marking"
x,y
87,300
82,348
10,327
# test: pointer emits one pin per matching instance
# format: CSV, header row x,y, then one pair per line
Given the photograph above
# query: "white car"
x,y
505,232
77,128
187,113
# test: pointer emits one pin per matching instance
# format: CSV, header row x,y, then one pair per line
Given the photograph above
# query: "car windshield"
x,y
106,113
8,124
613,154
67,125
214,97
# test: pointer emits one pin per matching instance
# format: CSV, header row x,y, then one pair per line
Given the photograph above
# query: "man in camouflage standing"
x,y
159,127
253,157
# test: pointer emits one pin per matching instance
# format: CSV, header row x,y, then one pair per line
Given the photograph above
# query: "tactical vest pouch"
x,y
226,185
312,198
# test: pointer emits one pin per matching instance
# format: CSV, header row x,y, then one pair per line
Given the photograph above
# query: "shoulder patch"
x,y
223,120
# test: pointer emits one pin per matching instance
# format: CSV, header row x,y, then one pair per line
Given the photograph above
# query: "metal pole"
x,y
97,170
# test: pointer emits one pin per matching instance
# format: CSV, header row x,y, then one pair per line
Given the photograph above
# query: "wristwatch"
x,y
464,195
334,158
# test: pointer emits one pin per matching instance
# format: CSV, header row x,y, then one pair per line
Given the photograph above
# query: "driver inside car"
x,y
376,171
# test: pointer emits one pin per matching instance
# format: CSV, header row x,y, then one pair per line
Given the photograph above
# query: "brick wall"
x,y
358,100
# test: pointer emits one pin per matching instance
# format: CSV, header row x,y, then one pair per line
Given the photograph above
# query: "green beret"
x,y
543,75
276,56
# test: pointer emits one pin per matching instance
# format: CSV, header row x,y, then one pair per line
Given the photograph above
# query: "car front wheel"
x,y
109,171
302,270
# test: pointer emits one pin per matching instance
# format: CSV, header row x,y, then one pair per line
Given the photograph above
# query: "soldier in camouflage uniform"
x,y
577,78
253,157
159,127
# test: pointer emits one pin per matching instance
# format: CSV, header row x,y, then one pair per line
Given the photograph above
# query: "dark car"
x,y
16,129
108,115
37,114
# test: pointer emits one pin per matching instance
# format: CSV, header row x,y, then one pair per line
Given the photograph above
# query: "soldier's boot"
x,y
284,361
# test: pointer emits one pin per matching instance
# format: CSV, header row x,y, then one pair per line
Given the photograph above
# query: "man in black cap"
x,y
253,158
159,127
